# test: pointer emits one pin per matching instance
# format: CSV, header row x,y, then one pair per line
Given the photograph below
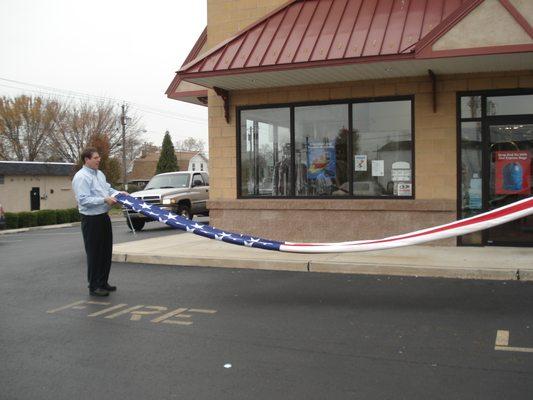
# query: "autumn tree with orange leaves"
x,y
39,129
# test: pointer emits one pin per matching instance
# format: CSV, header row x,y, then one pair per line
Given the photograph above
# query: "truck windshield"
x,y
168,181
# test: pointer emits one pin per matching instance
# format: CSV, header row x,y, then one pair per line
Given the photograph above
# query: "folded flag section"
x,y
510,212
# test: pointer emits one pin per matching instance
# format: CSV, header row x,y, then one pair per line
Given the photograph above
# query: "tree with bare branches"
x,y
26,124
34,128
190,144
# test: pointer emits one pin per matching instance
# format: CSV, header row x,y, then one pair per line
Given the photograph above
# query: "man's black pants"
x,y
98,240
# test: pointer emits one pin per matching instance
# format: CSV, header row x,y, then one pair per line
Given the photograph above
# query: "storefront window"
x,y
327,153
265,152
471,107
382,149
321,150
510,105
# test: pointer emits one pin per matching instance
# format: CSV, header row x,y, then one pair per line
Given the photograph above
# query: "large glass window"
x,y
321,150
471,107
266,152
471,175
327,150
510,105
382,149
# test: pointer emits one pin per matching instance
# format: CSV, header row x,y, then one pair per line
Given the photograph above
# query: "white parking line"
x,y
502,343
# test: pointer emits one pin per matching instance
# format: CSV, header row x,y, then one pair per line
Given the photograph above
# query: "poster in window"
x,y
360,163
321,161
378,168
404,189
513,172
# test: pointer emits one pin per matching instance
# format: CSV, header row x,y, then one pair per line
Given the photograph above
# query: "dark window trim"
x,y
350,102
486,121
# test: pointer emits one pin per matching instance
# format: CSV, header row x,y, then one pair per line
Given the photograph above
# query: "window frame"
x,y
349,102
201,178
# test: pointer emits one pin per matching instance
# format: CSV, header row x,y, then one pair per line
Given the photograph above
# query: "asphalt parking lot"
x,y
204,333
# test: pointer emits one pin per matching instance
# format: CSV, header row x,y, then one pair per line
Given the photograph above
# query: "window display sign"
x,y
401,171
360,163
404,189
513,172
378,168
321,161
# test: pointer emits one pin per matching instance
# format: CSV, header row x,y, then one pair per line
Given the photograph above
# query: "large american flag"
x,y
510,212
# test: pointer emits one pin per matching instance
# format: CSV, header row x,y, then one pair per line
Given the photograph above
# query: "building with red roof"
x,y
335,120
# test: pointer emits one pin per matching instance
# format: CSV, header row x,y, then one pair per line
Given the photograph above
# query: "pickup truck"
x,y
184,193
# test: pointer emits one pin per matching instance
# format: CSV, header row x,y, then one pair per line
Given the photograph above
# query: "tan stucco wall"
x,y
525,7
490,24
15,192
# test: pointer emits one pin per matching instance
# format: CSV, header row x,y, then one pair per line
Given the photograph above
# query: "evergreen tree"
x,y
167,160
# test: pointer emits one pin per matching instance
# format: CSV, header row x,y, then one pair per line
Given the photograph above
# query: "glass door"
x,y
509,180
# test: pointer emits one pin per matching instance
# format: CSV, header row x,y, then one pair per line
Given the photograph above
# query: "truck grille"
x,y
151,199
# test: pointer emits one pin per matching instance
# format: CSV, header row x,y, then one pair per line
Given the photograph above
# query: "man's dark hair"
x,y
88,153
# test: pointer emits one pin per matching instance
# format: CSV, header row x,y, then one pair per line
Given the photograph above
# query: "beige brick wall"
x,y
435,133
227,17
15,192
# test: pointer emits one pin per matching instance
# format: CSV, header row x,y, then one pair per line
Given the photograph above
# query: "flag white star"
x,y
189,229
145,206
222,236
171,216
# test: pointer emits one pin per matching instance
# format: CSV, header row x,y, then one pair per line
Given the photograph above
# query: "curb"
x,y
39,228
46,227
331,267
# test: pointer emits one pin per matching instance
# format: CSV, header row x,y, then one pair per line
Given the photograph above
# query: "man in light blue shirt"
x,y
95,198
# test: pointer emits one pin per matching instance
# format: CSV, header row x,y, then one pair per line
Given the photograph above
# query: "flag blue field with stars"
x,y
179,222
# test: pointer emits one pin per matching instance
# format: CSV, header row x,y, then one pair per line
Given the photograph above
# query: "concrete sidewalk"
x,y
499,263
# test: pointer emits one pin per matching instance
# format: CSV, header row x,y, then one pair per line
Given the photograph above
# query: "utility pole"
x,y
123,122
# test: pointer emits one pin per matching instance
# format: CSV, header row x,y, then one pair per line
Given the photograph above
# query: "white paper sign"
x,y
405,189
378,168
401,171
360,163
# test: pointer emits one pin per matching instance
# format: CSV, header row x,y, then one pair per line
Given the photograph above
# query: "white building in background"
x,y
33,185
199,162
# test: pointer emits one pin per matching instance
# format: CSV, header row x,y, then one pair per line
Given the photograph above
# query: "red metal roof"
x,y
307,32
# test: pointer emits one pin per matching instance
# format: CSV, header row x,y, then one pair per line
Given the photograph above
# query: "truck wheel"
x,y
138,224
184,211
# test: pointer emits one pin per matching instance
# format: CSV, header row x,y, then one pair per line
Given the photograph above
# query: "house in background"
x,y
144,167
29,185
198,162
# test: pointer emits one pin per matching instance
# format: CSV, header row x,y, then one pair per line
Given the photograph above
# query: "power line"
x,y
49,90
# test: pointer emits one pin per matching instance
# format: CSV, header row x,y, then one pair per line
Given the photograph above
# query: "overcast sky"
x,y
122,49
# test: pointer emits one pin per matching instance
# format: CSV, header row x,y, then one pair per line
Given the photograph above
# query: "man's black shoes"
x,y
110,288
99,292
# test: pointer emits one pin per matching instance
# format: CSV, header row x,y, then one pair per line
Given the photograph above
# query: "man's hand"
x,y
110,200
